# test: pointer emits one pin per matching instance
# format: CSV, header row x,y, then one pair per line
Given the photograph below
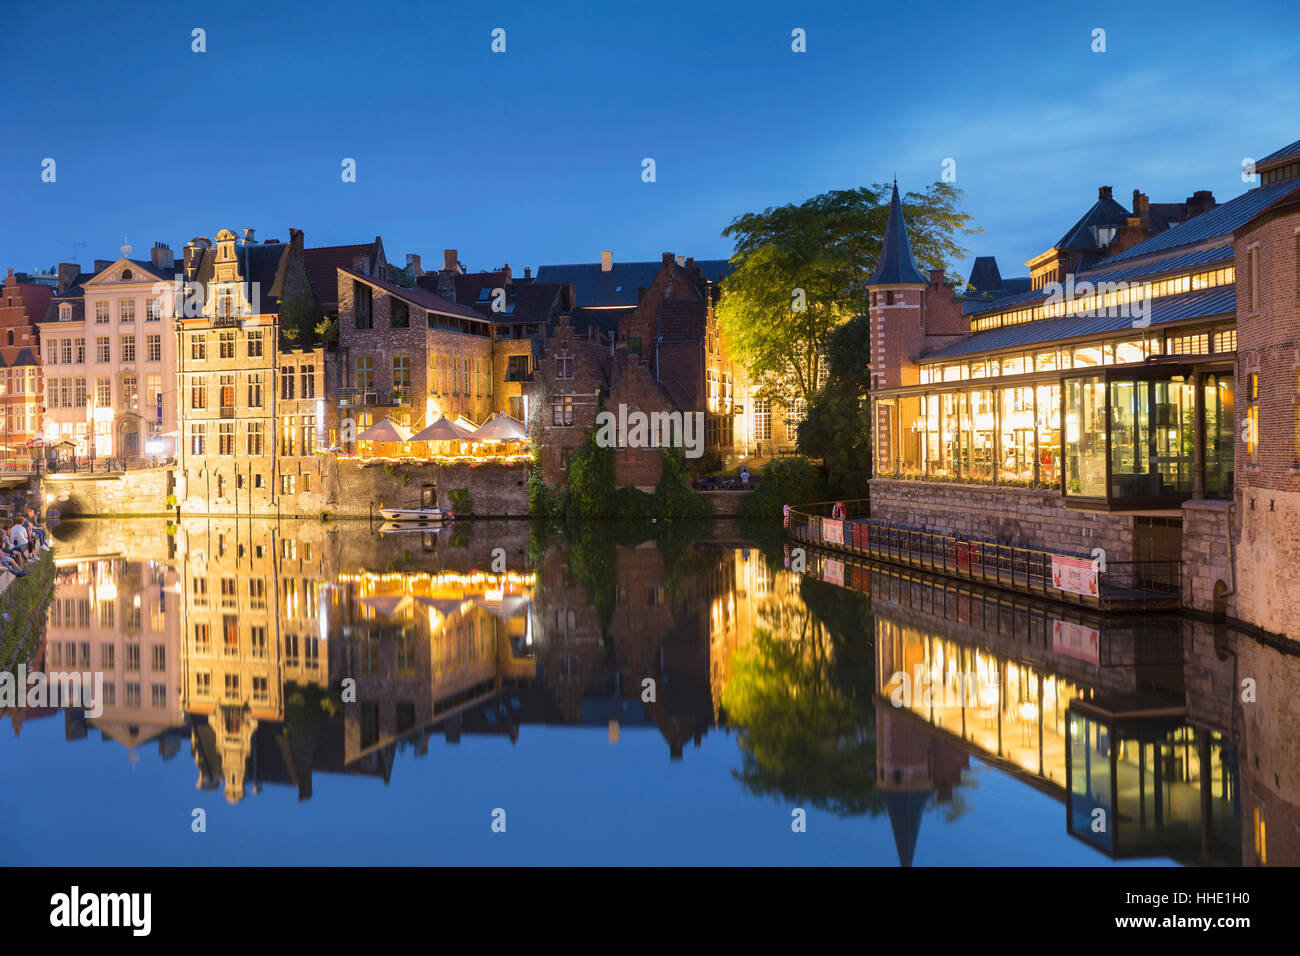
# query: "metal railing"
x,y
385,397
1120,585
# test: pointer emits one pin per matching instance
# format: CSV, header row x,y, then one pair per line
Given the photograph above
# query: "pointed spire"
x,y
897,267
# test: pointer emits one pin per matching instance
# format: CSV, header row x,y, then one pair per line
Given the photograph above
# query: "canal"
x,y
500,692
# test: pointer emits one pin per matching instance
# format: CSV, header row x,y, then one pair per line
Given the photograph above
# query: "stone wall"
x,y
140,492
1016,516
1268,572
494,490
1207,564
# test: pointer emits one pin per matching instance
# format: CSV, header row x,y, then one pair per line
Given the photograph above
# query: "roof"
x,y
985,275
526,302
322,262
25,356
1219,221
1127,273
1203,304
683,320
267,265
1291,149
417,295
896,267
1104,212
594,287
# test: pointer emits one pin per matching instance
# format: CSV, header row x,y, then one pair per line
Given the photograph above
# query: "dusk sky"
x,y
534,155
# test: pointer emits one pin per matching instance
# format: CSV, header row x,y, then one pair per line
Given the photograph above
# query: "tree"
x,y
837,427
298,322
801,270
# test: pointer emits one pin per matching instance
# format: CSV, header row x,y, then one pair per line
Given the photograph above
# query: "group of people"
x,y
22,539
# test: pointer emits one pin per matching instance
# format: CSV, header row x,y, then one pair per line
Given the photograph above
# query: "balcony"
x,y
374,397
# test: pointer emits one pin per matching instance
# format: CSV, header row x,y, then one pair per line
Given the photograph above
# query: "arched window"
x,y
65,311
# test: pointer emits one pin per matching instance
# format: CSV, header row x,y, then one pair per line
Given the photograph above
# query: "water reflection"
x,y
280,652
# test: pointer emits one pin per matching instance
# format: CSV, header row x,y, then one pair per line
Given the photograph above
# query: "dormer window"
x,y
65,311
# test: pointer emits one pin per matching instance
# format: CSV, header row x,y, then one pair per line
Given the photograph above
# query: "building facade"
x,y
22,305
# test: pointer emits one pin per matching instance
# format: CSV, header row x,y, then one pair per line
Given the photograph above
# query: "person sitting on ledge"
x,y
36,530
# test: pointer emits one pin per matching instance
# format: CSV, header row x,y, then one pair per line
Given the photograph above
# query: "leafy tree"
x,y
837,428
299,318
827,248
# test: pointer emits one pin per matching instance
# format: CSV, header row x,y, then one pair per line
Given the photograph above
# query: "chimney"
x,y
450,263
413,264
669,258
102,264
1201,201
248,238
1103,192
68,271
505,272
679,259
161,256
690,264
528,272
936,277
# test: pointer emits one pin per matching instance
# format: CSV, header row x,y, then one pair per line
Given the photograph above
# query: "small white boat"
x,y
400,527
423,516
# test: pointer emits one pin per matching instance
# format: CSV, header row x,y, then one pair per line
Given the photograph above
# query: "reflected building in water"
x,y
282,650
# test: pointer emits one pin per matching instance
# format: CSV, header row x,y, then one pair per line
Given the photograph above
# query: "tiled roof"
x,y
1203,304
1219,221
321,265
683,320
266,264
896,267
528,302
985,275
1104,212
619,286
418,296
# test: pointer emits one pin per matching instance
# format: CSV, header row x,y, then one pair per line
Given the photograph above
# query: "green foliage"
x,y
837,428
299,318
22,603
171,501
541,500
589,482
785,481
673,497
327,332
460,503
828,247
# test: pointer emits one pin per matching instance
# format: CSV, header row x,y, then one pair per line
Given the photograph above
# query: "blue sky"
x,y
534,155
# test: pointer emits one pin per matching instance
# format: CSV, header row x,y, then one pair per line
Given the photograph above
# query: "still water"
x,y
319,693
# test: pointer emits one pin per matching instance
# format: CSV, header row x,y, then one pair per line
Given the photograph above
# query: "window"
x,y
255,343
286,383
288,484
65,311
1250,435
158,657
198,393
365,366
361,318
198,438
65,350
1252,258
226,438
1297,418
232,686
257,641
52,390
130,393
199,347
200,589
464,367
103,350
400,317
401,372
288,433
106,657
132,656
227,391
562,410
132,695
128,348
255,390
78,393
255,439
203,683
152,310
564,367
261,691
226,345
257,588
634,344
762,419
308,438
126,310
308,376
104,391
153,395
153,347
101,313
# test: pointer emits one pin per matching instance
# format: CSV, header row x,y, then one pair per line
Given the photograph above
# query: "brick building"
x,y
1267,252
22,305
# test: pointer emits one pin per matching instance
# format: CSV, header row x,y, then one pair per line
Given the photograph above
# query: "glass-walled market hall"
x,y
1119,423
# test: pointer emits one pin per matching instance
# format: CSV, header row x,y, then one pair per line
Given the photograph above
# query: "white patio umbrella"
x,y
444,429
501,428
387,430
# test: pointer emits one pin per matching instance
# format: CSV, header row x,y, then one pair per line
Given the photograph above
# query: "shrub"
x,y
785,481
